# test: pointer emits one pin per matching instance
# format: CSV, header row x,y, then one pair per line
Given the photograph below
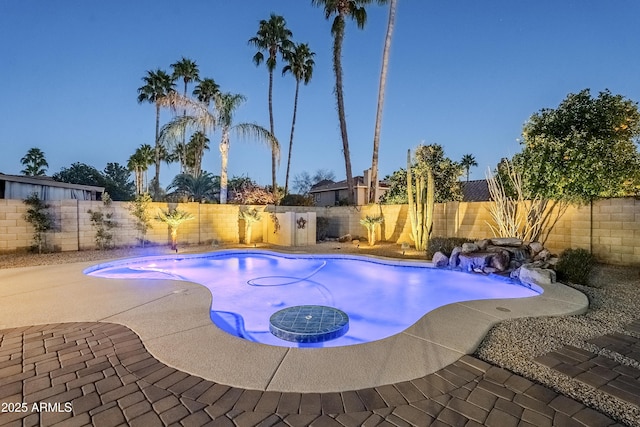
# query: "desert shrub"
x,y
445,245
322,227
575,265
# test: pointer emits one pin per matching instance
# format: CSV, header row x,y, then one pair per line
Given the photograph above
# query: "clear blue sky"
x,y
465,74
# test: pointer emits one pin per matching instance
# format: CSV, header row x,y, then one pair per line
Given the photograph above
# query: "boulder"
x,y
345,238
506,241
482,244
440,260
474,260
534,275
454,258
543,255
469,247
536,247
500,261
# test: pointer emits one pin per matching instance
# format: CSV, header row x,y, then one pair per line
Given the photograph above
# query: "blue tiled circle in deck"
x,y
309,323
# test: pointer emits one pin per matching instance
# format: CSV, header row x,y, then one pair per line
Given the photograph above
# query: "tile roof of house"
x,y
475,191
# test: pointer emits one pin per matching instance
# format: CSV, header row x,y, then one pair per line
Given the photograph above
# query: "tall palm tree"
x,y
272,37
300,65
373,184
343,9
34,163
467,162
188,71
194,151
205,90
157,85
201,118
139,163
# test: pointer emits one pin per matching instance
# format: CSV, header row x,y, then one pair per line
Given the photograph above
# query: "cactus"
x,y
420,207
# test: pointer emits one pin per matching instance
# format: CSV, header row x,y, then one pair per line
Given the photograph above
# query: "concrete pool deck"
x,y
172,320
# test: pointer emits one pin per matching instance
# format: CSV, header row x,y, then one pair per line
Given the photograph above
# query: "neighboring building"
x,y
330,193
475,191
20,187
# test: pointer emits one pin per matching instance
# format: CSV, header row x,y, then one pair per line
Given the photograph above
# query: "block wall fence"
x,y
609,228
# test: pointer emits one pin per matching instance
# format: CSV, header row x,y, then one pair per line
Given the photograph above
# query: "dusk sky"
x,y
465,74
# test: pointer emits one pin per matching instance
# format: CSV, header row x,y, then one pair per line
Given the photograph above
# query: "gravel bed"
x,y
614,302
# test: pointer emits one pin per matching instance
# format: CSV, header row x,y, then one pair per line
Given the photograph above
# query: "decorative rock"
x,y
345,238
440,260
482,244
454,258
469,247
536,247
474,260
535,275
506,241
356,242
500,261
544,255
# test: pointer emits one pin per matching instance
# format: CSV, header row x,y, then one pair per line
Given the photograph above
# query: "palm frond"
x,y
256,132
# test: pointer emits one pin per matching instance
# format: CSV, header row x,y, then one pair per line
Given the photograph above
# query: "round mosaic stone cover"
x,y
309,323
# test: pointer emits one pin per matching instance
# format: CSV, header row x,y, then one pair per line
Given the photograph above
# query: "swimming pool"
x,y
380,297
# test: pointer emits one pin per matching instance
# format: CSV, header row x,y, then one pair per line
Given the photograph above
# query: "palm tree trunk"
x,y
293,125
337,69
224,155
271,129
156,189
373,189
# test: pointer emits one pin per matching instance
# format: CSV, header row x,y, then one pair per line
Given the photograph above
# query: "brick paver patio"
x,y
100,374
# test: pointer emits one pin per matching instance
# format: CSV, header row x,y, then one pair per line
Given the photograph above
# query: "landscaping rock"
x,y
536,248
506,241
440,260
534,275
482,244
345,238
454,258
500,261
543,255
469,247
474,260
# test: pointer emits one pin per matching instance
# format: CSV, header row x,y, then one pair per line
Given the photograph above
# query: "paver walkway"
x,y
100,374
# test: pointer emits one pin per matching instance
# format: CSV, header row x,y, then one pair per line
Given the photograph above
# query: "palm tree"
x,y
188,71
343,9
467,162
138,163
300,65
157,85
201,118
194,151
205,90
195,187
373,185
174,218
272,37
34,163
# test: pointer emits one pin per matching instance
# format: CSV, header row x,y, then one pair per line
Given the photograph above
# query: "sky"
x,y
464,74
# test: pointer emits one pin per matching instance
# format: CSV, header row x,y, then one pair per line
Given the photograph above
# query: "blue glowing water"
x,y
381,298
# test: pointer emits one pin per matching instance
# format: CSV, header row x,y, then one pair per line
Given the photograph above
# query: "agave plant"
x,y
174,218
370,223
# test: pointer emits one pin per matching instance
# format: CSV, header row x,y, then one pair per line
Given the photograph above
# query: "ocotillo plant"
x,y
420,207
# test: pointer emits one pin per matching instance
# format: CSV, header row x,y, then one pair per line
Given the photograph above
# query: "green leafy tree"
x,y
582,150
446,175
118,183
157,85
467,162
300,65
139,208
40,219
373,184
188,71
273,37
34,163
343,9
80,173
174,218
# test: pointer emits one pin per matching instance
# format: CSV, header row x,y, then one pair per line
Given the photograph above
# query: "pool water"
x,y
381,298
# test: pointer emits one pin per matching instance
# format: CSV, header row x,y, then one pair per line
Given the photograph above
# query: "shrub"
x,y
102,221
574,265
39,217
322,227
296,200
445,245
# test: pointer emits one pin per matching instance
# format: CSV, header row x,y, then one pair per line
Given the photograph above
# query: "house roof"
x,y
326,184
475,191
48,181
